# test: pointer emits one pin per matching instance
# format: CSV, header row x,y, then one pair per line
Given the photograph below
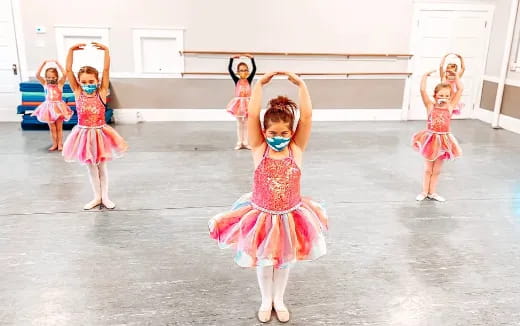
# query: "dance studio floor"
x,y
391,260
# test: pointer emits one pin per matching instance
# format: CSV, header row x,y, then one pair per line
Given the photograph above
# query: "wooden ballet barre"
x,y
346,74
379,73
354,74
375,55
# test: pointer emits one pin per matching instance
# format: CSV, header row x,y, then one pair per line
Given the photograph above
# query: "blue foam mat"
x,y
22,109
35,86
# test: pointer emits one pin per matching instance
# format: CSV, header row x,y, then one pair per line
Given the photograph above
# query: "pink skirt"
x,y
93,145
433,146
238,107
265,238
50,111
458,108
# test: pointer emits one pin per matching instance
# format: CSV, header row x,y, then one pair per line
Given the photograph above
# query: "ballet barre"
x,y
346,74
315,54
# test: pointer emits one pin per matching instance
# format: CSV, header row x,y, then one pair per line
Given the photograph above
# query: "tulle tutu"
x,y
238,107
266,239
50,111
93,145
435,146
458,109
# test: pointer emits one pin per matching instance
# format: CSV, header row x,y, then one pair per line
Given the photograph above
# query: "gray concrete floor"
x,y
391,260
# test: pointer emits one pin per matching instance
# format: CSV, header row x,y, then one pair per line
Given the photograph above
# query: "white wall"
x,y
270,25
498,37
370,26
498,43
513,75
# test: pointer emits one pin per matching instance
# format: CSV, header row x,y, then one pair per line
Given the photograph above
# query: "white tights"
x,y
98,176
242,132
272,282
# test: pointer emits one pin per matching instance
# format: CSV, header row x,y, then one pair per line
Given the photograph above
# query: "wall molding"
x,y
140,34
123,75
202,76
63,32
143,75
166,28
448,6
496,80
82,26
493,79
512,82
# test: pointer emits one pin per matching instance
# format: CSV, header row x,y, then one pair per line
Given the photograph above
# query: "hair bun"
x,y
280,103
280,109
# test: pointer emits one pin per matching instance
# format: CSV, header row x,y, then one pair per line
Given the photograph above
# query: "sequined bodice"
x,y
52,93
276,184
439,120
242,88
91,111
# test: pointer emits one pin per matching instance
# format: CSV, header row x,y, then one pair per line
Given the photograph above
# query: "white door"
x,y
9,65
438,32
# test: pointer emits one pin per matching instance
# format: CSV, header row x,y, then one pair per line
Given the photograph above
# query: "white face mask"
x,y
442,100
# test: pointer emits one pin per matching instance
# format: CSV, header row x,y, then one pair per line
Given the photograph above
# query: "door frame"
x,y
19,39
414,41
20,59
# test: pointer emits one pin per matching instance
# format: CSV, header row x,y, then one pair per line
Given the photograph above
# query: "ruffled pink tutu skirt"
x,y
433,146
50,111
238,107
93,145
262,238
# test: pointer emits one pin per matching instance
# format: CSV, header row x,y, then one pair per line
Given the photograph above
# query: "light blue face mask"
x,y
278,143
89,89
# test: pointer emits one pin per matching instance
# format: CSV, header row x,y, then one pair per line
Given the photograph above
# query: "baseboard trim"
x,y
509,123
505,122
9,115
483,115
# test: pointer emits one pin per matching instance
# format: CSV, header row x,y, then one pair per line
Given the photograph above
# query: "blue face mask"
x,y
278,143
89,89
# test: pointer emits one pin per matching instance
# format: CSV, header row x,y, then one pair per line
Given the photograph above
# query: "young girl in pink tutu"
x,y
53,110
238,105
436,143
449,75
274,226
92,141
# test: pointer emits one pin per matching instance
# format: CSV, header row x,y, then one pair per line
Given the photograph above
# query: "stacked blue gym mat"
x,y
33,95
